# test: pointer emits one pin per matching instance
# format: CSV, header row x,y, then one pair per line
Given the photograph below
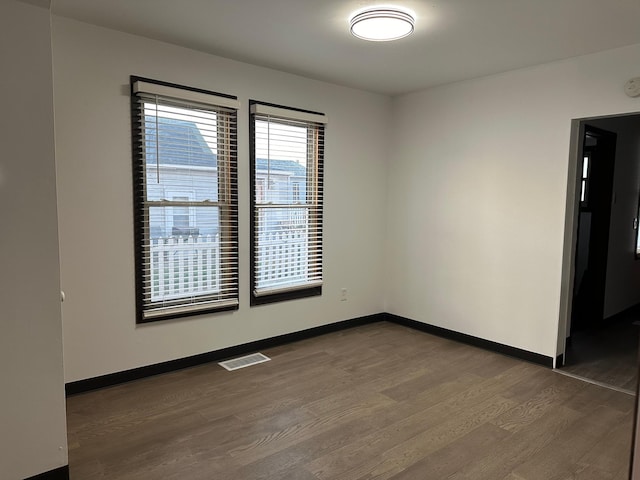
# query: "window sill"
x,y
285,296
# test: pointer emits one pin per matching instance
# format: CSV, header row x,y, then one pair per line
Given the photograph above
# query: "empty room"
x,y
277,239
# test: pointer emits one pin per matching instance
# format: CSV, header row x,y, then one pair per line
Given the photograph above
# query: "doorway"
x,y
599,341
594,206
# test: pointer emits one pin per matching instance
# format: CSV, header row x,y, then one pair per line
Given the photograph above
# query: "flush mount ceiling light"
x,y
381,24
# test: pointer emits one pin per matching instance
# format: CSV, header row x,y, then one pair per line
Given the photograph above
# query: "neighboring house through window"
x,y
287,155
185,204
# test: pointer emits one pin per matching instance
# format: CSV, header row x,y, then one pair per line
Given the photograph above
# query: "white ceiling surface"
x,y
454,39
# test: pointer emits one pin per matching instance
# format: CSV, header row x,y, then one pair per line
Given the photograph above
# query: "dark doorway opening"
x,y
596,188
602,341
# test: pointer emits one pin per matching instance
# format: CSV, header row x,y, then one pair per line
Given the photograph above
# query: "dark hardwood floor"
x,y
380,401
608,354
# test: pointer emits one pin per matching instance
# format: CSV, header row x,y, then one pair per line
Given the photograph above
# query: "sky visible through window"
x,y
278,141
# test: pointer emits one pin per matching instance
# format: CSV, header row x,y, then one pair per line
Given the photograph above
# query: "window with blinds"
x,y
287,154
185,200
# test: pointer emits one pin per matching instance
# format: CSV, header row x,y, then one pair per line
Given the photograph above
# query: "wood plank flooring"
x,y
379,401
608,355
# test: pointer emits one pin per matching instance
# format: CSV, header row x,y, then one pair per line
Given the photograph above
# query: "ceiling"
x,y
454,39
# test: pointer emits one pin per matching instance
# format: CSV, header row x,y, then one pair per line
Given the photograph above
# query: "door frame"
x,y
572,211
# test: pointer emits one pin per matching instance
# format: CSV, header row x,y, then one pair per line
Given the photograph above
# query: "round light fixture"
x,y
382,24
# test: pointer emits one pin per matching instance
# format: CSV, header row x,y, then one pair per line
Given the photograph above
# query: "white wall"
x,y
477,187
623,270
32,410
91,75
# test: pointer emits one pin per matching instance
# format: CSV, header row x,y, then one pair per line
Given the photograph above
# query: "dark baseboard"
x,y
81,386
61,473
471,340
111,379
560,360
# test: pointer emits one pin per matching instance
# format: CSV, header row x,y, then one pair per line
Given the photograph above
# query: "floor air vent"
x,y
246,361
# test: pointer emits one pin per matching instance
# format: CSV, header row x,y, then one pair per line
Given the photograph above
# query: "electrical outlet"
x,y
343,294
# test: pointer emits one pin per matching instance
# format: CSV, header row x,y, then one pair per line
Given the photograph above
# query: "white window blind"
x,y
287,156
185,187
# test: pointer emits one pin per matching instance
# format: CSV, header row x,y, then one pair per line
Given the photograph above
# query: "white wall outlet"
x,y
343,294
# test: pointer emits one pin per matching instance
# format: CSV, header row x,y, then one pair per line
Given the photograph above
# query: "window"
x,y
185,200
287,153
584,185
181,219
182,216
296,192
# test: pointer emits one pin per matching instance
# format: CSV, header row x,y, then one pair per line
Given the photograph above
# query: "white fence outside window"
x,y
182,266
282,256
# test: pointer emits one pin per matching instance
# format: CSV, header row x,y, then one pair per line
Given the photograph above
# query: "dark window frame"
x,y
230,189
298,293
